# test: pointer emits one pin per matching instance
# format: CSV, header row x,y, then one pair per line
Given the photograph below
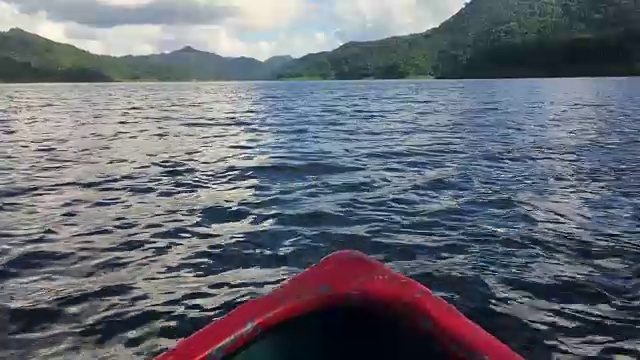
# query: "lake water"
x,y
131,215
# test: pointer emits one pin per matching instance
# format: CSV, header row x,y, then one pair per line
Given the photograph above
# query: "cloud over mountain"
x,y
229,27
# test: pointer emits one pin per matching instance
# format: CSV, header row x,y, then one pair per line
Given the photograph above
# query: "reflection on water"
x,y
133,214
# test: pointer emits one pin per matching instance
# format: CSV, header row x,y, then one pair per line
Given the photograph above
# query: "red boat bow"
x,y
343,277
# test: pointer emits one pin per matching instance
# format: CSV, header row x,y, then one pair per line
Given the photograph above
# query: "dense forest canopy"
x,y
15,71
498,38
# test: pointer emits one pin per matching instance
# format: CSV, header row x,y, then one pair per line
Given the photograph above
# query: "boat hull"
x,y
343,283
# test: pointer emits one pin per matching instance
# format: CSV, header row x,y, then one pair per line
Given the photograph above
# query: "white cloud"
x,y
10,17
372,19
321,37
125,2
266,14
257,28
140,39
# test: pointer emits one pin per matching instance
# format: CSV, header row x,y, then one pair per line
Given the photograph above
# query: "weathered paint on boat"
x,y
345,277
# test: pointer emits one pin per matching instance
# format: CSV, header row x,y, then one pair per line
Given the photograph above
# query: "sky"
x,y
256,28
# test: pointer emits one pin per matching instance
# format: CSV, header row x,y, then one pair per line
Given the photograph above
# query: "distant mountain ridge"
x,y
486,38
189,63
18,47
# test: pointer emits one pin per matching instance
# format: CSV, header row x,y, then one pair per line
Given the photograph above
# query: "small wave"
x,y
127,225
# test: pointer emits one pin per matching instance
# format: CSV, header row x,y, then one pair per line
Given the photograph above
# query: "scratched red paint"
x,y
336,280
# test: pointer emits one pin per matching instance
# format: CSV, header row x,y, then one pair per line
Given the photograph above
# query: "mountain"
x,y
487,38
497,38
277,62
45,56
201,65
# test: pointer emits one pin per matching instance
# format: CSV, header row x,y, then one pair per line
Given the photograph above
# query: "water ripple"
x,y
131,215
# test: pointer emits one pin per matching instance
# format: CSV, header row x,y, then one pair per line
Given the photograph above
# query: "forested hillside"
x,y
15,71
42,53
498,38
38,56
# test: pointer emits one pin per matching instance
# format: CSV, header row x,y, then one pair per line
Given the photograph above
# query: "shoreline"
x,y
152,81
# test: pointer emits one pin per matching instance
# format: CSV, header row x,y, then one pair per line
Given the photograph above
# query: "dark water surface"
x,y
131,215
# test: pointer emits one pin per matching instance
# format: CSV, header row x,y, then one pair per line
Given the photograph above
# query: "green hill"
x,y
67,62
42,53
191,64
498,38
